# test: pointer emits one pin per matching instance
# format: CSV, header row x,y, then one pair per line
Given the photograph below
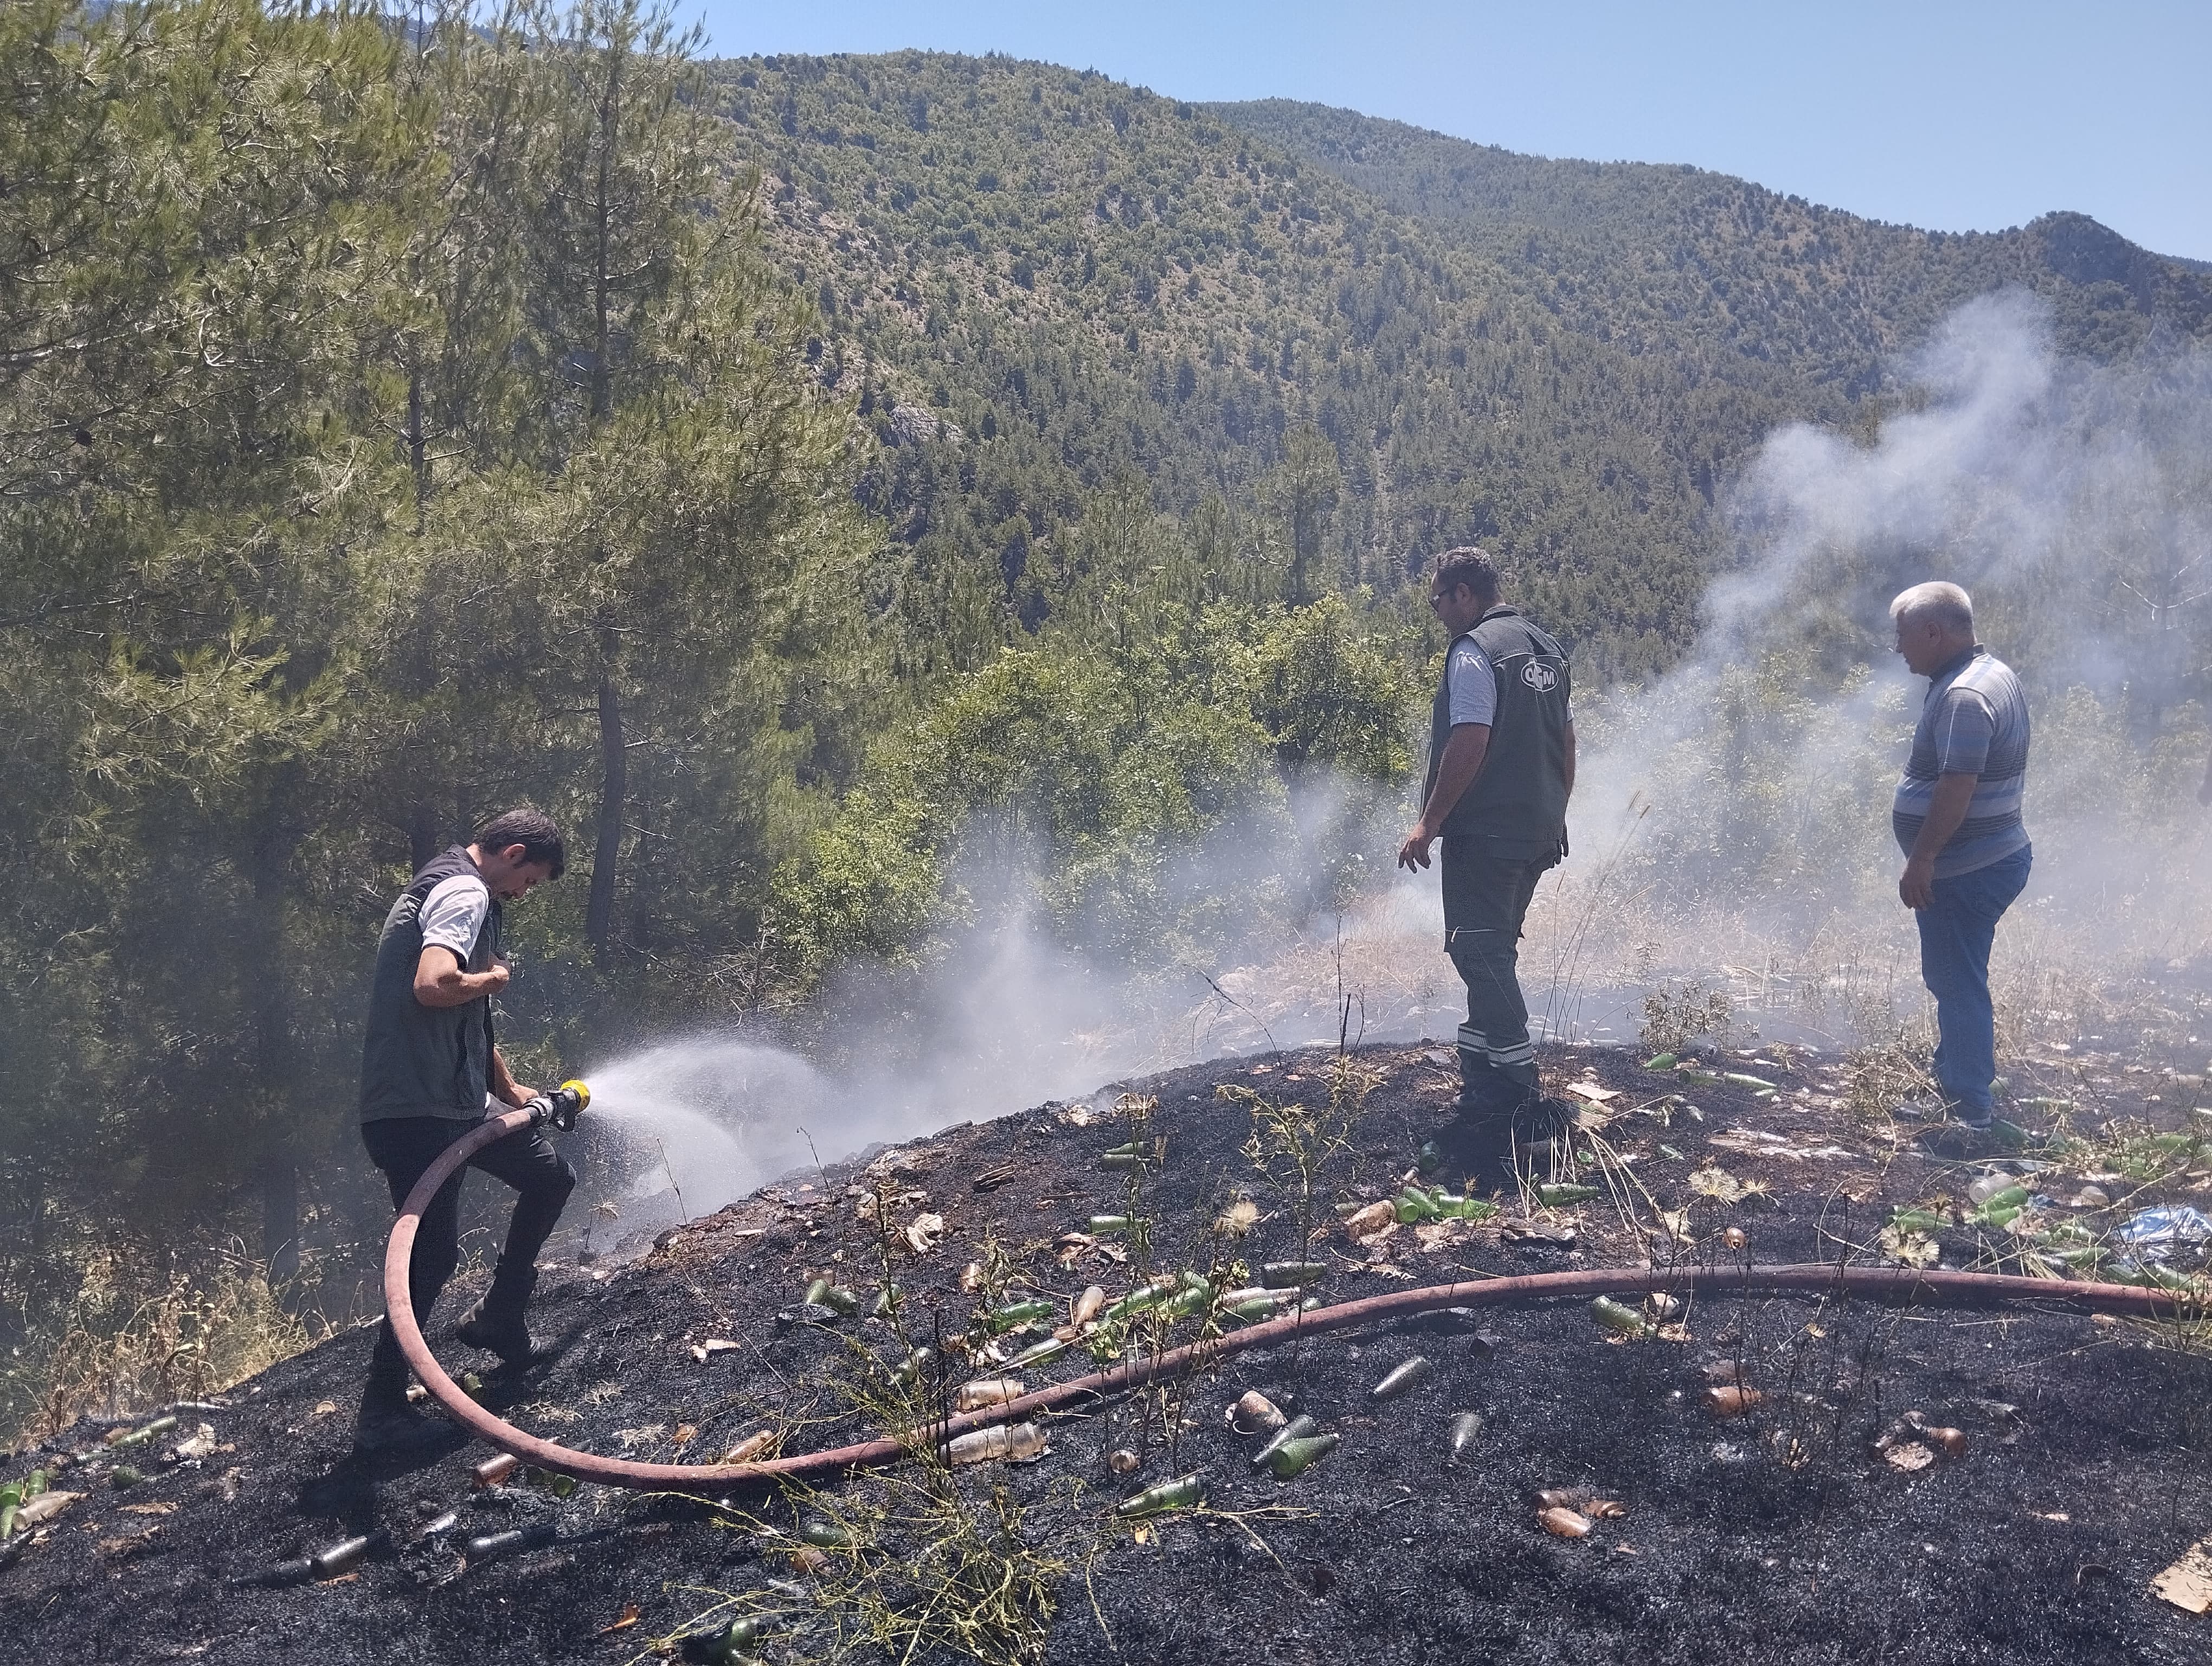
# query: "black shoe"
x,y
1480,1143
387,1425
1961,1142
498,1331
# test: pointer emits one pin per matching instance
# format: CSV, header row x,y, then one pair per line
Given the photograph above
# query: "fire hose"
x,y
1910,1284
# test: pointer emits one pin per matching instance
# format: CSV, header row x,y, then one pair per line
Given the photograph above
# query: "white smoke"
x,y
1730,824
2074,501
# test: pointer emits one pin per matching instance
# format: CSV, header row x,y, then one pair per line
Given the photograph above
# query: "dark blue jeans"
x,y
1956,931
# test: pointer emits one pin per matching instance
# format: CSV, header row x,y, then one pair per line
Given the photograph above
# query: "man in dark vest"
x,y
1501,767
431,1070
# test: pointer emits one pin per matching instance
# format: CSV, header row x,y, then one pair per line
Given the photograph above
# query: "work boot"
x,y
1479,1135
388,1422
1481,1146
1962,1141
495,1324
1482,1090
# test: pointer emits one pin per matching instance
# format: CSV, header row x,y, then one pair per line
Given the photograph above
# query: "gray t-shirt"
x,y
453,913
1974,722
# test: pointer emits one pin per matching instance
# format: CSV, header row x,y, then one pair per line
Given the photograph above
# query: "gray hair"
x,y
1938,603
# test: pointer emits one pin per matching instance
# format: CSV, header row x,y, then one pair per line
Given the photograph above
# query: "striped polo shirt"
x,y
1974,722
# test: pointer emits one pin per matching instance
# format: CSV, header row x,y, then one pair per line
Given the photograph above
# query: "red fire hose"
x,y
1816,1279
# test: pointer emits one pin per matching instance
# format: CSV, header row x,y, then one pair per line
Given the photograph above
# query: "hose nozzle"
x,y
559,1107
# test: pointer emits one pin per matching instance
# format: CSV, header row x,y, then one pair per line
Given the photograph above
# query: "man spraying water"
x,y
431,1070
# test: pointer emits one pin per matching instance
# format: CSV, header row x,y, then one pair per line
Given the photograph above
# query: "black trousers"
x,y
1486,897
404,1147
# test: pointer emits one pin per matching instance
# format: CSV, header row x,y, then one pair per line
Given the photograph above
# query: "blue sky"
x,y
1955,116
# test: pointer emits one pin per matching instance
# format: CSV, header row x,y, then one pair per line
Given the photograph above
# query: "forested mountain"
x,y
1564,360
1717,273
1083,279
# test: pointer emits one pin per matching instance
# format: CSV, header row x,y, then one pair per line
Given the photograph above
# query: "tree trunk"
x,y
614,764
280,1216
418,447
422,835
602,265
277,1056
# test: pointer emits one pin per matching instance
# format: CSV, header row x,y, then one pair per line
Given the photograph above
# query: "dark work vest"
x,y
1517,803
418,1061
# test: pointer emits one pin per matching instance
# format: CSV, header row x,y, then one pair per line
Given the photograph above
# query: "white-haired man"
x,y
1957,816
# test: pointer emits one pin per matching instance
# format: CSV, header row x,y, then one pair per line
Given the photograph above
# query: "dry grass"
x,y
129,1342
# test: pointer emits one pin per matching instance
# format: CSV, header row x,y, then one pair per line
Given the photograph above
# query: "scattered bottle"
x,y
1295,1458
496,1468
910,1371
1251,1306
729,1646
296,1571
1038,1352
1405,1377
160,1426
345,1555
1189,1301
1143,1297
1014,1315
1088,1305
1552,1197
750,1447
985,1391
1661,1061
1121,1461
1296,1429
496,1546
439,1525
1292,1275
826,1534
1466,1426
1013,1443
1618,1316
1178,1494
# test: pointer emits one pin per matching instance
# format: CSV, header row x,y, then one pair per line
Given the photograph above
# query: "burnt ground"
x,y
1780,1535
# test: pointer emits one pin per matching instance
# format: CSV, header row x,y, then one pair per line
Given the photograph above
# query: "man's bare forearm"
x,y
439,982
504,1087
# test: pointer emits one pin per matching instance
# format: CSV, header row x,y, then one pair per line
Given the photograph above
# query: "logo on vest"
x,y
1540,677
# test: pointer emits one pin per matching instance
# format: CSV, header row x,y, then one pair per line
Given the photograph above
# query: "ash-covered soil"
x,y
1782,1535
